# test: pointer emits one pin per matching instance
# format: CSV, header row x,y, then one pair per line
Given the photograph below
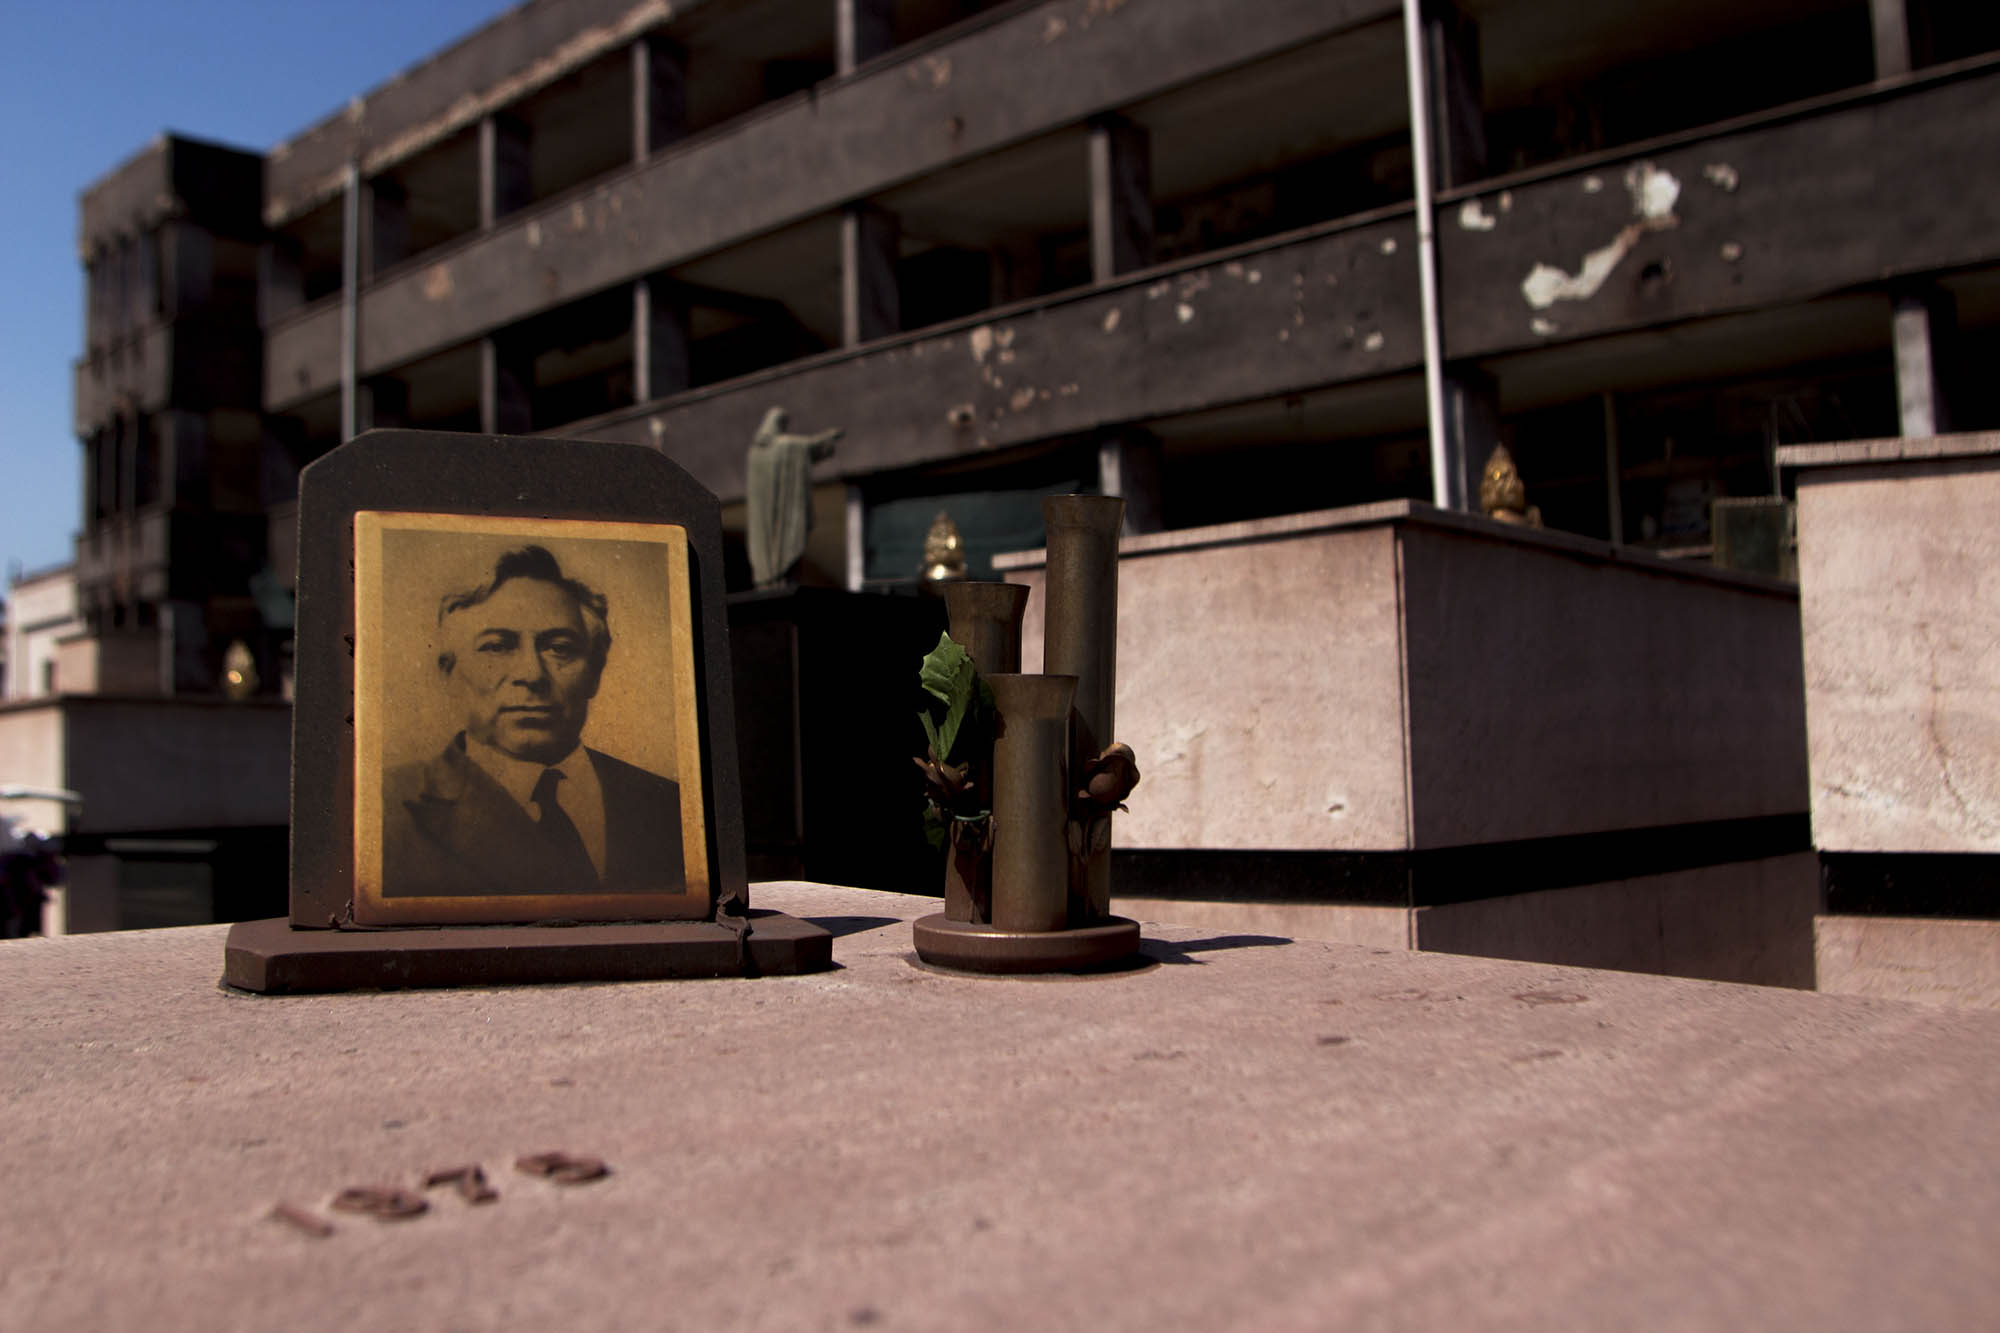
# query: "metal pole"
x,y
350,297
1447,478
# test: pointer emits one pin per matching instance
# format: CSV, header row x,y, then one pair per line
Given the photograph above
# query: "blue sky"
x,y
86,83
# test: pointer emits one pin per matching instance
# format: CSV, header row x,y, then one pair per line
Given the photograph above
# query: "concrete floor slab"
x,y
1249,1133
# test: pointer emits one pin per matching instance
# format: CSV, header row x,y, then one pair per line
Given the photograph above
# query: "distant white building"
x,y
41,616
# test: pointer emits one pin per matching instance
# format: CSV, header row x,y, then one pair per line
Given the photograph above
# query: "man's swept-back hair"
x,y
534,562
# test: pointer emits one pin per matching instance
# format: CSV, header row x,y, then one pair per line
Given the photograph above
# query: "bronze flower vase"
x,y
1080,638
1056,775
985,620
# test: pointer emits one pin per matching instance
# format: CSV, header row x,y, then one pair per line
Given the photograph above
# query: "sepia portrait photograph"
x,y
527,742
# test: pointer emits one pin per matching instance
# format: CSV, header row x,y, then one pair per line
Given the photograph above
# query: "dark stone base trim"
x,y
1948,884
273,958
1437,876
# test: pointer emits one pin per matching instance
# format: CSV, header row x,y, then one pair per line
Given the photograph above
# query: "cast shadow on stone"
x,y
838,926
1177,951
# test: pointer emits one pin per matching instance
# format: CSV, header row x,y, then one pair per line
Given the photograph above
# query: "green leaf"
x,y
934,832
948,676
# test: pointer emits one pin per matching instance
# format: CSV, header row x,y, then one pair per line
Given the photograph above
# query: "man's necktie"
x,y
560,830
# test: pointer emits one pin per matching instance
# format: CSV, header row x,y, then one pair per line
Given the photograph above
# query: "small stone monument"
x,y
513,742
778,495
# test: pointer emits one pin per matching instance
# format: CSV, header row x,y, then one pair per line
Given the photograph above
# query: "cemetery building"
x,y
1170,249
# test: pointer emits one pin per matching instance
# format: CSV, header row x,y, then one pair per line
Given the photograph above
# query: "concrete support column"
x,y
184,664
1471,429
1128,465
857,539
506,387
281,283
505,184
383,402
1902,31
182,268
385,226
660,340
184,470
1458,116
659,95
1121,198
1924,324
863,29
870,305
128,463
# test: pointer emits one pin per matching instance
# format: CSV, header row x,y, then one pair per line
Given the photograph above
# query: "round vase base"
x,y
971,947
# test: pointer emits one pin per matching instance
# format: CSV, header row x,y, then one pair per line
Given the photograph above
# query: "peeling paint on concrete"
x,y
1022,400
1003,336
1157,290
980,340
1471,217
1722,176
1731,252
1542,327
658,427
1388,245
1233,269
1069,390
1006,357
437,282
1593,184
1373,342
579,217
1111,318
1654,192
939,68
1053,30
1284,335
959,415
1184,312
1506,201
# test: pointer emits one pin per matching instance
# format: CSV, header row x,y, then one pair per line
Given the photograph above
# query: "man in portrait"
x,y
516,803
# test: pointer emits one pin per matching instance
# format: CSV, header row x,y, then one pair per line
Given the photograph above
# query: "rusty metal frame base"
x,y
970,947
271,957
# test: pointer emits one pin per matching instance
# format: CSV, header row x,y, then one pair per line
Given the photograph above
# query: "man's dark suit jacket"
x,y
450,830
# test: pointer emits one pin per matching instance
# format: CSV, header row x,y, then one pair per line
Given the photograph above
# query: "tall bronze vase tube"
x,y
985,620
1031,801
1080,638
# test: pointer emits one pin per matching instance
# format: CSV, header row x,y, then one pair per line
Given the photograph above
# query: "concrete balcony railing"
x,y
997,85
1790,208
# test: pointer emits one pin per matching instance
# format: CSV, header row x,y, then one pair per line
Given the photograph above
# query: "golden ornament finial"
x,y
1502,493
944,551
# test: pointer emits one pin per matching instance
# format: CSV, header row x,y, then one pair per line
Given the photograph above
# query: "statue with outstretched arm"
x,y
778,495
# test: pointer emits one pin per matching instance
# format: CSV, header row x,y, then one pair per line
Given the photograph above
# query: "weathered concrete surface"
x,y
1390,676
1933,960
1034,70
1792,208
1254,1134
1899,579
